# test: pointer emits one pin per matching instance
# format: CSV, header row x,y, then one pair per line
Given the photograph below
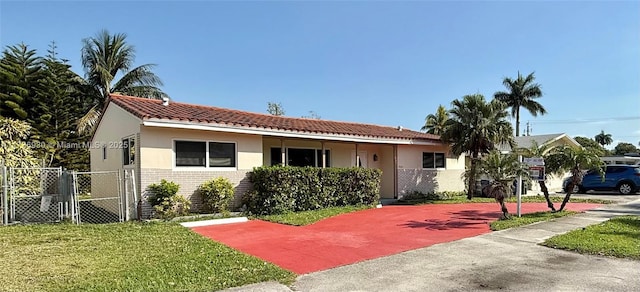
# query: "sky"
x,y
379,62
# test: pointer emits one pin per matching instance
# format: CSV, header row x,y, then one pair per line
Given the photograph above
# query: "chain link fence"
x,y
98,197
35,196
47,195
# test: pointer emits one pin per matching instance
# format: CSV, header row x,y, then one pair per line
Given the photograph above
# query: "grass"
x,y
124,257
618,237
527,219
525,199
310,217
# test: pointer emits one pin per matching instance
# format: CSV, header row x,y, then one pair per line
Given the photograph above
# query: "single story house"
x,y
554,183
190,144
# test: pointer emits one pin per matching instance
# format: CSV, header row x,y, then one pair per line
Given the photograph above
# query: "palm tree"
x,y
565,158
603,139
542,151
521,93
476,127
104,57
503,169
434,124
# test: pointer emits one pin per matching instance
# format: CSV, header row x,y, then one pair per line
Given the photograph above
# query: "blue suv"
x,y
622,178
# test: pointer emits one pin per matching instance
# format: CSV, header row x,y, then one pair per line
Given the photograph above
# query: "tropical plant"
x,y
275,109
476,127
576,161
503,170
20,70
217,194
521,92
603,138
435,123
592,145
104,57
166,202
542,151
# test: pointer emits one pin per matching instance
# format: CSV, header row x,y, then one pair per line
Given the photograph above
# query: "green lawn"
x,y
618,237
310,217
527,219
123,257
525,199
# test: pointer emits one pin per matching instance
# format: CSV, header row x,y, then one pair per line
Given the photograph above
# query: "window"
x,y
301,157
205,154
433,160
191,154
128,151
222,154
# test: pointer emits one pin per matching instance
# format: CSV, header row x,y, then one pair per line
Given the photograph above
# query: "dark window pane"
x,y
125,152
276,156
222,154
190,153
440,161
132,151
302,157
427,160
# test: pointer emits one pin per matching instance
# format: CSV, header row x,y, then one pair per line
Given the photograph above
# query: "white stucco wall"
x,y
412,177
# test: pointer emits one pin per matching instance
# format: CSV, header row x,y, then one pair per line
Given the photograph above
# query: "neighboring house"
x,y
554,183
190,144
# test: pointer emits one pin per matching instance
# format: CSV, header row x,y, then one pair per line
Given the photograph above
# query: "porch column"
x,y
357,156
395,171
283,155
324,156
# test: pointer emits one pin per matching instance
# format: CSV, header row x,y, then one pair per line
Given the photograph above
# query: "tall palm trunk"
x,y
518,122
472,176
575,180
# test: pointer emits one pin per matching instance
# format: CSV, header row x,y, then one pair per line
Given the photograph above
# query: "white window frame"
x,y
434,160
206,167
136,155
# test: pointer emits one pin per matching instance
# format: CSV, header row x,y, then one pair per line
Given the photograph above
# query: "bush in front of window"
x,y
166,202
280,189
217,194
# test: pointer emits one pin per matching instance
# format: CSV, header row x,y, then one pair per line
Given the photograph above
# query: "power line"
x,y
579,120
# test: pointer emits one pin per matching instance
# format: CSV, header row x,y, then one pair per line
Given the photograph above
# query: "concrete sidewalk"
x,y
508,260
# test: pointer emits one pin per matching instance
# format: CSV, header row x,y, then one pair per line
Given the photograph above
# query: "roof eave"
x,y
284,133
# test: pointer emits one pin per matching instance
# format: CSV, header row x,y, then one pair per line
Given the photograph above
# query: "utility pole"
x,y
528,131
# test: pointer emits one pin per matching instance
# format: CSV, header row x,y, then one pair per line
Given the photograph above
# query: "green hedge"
x,y
279,189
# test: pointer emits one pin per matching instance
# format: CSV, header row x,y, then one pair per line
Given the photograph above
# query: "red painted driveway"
x,y
363,235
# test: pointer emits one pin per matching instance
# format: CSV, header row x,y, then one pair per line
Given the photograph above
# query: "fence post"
x,y
5,198
135,195
75,215
126,195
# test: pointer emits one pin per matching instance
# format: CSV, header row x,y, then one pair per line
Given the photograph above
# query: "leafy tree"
x,y
503,169
591,145
521,92
275,109
623,148
104,57
58,105
542,151
603,138
435,123
476,127
14,150
19,71
565,158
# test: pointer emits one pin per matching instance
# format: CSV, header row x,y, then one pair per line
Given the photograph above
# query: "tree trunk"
x,y
472,178
517,122
575,180
545,191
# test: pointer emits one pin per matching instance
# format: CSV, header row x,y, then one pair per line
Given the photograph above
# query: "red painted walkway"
x,y
363,235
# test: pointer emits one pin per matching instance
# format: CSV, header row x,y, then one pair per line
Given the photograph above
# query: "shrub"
x,y
166,202
279,189
217,194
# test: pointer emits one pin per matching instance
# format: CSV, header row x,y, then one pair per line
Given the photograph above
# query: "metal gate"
x,y
47,195
35,195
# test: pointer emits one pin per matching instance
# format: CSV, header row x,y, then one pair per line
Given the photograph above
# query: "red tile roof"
x,y
151,109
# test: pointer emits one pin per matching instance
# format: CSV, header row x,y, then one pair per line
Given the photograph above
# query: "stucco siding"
x,y
115,125
157,146
412,177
